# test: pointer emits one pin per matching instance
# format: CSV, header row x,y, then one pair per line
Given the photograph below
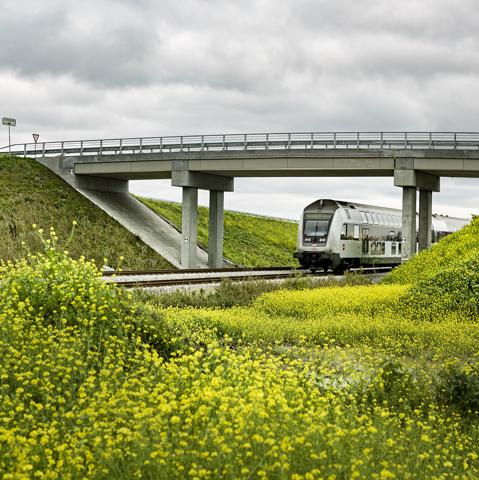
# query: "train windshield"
x,y
316,226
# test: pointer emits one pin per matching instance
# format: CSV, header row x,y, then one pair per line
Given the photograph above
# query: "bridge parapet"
x,y
252,141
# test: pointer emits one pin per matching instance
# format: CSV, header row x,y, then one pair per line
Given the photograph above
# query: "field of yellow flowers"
x,y
335,383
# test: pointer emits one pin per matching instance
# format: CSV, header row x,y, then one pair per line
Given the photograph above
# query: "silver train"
x,y
339,235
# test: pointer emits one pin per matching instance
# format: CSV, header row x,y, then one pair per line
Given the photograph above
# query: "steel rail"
x,y
216,279
251,141
195,270
205,280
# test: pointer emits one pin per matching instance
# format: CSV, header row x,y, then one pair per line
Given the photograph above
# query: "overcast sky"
x,y
129,68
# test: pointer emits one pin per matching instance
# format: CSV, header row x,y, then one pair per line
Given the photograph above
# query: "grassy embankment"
x,y
248,240
32,194
335,383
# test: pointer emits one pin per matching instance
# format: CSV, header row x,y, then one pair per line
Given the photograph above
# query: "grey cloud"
x,y
107,49
251,47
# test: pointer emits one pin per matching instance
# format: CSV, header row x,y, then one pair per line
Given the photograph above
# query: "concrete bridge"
x,y
416,160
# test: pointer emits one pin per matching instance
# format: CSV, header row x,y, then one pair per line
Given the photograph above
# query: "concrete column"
x,y
215,243
408,221
425,219
189,227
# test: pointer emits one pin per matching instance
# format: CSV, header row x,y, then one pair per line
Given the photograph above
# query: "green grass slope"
x,y
459,245
444,279
32,194
248,240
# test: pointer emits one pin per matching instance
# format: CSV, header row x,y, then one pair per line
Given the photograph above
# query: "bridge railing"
x,y
250,141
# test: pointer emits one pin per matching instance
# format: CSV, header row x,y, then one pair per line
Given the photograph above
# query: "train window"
x,y
363,217
383,248
386,221
373,248
344,231
399,248
393,249
370,219
375,218
356,232
316,228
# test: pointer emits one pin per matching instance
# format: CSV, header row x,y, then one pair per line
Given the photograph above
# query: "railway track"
x,y
150,278
195,270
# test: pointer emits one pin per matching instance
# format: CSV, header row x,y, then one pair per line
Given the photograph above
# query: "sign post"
x,y
11,122
35,139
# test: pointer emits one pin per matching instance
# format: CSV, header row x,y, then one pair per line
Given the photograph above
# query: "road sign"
x,y
9,121
35,137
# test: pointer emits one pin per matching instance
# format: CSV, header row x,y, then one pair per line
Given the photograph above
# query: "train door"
x,y
365,242
357,243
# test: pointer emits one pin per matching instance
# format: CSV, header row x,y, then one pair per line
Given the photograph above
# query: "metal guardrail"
x,y
251,141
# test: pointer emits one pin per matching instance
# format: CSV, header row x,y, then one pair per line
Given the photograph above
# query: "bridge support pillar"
x,y
408,221
217,185
425,219
215,241
189,227
411,180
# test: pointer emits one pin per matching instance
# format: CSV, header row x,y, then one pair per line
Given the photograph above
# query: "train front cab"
x,y
314,238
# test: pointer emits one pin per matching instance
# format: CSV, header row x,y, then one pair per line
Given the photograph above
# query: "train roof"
x,y
362,206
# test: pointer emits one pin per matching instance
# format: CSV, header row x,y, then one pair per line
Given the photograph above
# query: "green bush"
x,y
458,388
454,248
453,289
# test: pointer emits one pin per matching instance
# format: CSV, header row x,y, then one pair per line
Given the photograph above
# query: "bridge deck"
x,y
279,163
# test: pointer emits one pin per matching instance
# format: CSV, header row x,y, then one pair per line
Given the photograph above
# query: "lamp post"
x,y
11,122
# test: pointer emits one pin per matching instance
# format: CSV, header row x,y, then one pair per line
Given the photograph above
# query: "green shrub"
x,y
454,248
453,289
458,388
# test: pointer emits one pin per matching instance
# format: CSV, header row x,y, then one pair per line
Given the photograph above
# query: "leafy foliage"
x,y
443,280
96,386
458,388
458,246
